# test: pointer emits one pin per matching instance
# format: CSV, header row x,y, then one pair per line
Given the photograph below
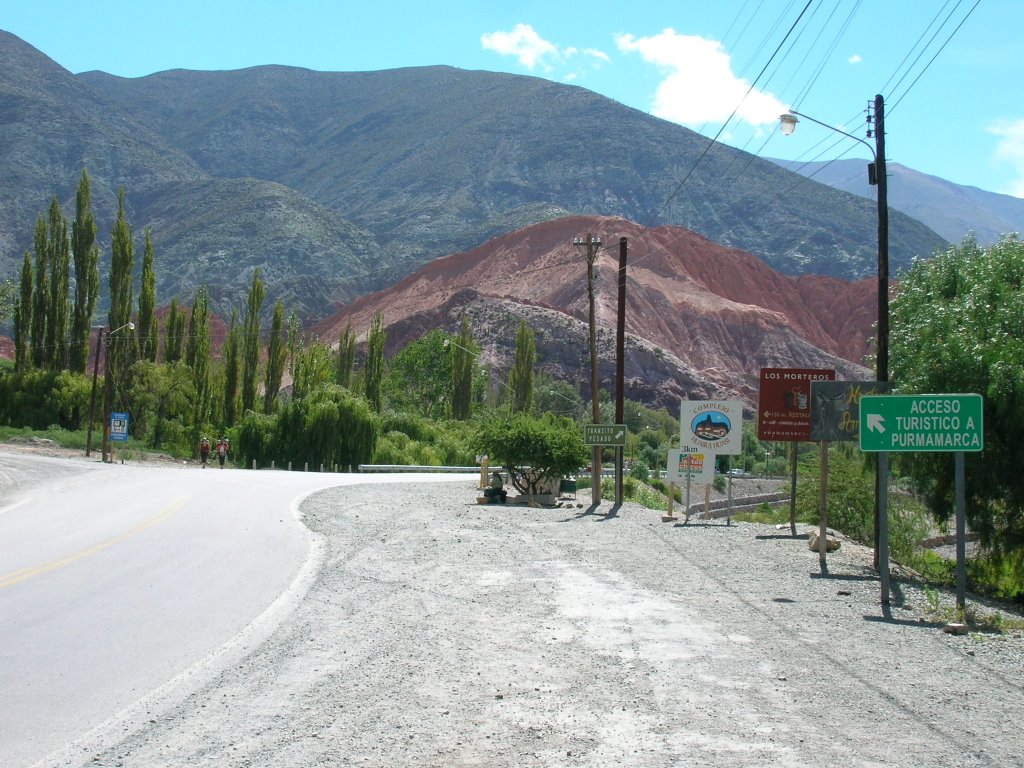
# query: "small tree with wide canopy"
x,y
534,450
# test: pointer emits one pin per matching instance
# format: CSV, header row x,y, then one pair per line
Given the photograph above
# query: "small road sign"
x,y
835,407
604,434
695,467
784,402
119,427
932,423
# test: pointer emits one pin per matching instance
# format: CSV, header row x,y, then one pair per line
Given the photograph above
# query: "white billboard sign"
x,y
711,427
698,467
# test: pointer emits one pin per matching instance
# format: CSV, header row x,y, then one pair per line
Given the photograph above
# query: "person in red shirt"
x,y
223,446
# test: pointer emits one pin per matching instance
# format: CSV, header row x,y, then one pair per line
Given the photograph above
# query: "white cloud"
x,y
699,85
1010,151
597,54
523,43
855,59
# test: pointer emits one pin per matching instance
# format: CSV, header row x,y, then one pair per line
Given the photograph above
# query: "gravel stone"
x,y
439,632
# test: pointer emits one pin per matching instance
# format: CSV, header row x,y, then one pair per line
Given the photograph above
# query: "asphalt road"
x,y
117,581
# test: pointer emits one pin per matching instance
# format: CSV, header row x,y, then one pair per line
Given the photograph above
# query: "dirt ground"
x,y
439,632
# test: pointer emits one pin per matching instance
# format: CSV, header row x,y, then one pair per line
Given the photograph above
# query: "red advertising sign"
x,y
784,402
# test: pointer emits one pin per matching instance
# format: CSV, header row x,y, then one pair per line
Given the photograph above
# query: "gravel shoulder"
x,y
443,633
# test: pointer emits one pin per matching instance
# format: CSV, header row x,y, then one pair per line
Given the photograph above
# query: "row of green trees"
x,y
165,375
958,326
51,330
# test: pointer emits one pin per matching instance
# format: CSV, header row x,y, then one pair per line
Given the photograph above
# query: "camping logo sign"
x,y
711,427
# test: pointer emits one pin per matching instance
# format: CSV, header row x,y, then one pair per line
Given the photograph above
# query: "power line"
x,y
941,48
920,38
720,130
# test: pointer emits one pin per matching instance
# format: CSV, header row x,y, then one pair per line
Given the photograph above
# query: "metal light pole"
x,y
876,176
592,246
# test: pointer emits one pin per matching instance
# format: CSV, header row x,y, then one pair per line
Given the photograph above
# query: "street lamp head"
x,y
131,326
787,123
447,342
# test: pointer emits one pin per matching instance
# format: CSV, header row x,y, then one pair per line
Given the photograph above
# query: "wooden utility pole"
x,y
620,365
108,396
592,246
92,397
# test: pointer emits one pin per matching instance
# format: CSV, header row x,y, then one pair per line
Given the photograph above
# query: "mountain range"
x,y
432,193
702,319
952,210
336,184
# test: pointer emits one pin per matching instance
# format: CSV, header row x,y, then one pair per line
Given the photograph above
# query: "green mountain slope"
x,y
338,183
435,160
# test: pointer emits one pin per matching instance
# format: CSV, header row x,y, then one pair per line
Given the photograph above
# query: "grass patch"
x,y
131,450
974,616
62,437
765,514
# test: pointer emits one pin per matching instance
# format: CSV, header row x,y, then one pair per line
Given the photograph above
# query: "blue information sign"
x,y
119,427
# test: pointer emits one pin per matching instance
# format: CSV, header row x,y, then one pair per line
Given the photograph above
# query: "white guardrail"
x,y
414,468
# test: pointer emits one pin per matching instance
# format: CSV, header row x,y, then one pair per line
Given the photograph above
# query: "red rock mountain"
x,y
701,318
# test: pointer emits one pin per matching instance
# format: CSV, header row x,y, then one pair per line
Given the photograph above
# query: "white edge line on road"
x,y
15,505
119,726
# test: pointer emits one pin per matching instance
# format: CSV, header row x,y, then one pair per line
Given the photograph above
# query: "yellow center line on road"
x,y
16,577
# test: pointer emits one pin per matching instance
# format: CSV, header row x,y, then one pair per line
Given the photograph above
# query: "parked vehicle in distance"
x,y
736,472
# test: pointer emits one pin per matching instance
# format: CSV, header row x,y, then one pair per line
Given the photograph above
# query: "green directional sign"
x,y
932,423
604,434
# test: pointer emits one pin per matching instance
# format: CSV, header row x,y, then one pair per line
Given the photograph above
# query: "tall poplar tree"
x,y
23,316
294,344
40,298
251,342
121,347
197,356
463,358
346,356
174,333
147,325
122,263
59,258
277,355
231,352
86,256
521,377
373,370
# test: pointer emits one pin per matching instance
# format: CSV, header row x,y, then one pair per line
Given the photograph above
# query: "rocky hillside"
x,y
339,183
702,319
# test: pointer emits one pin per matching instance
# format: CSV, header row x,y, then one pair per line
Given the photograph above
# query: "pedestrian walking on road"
x,y
223,446
204,451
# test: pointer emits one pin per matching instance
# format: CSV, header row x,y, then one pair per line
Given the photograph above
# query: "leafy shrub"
x,y
389,451
38,399
416,427
329,426
425,455
534,449
1000,574
639,471
400,440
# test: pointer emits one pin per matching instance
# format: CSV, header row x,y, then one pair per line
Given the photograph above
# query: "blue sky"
x,y
955,100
